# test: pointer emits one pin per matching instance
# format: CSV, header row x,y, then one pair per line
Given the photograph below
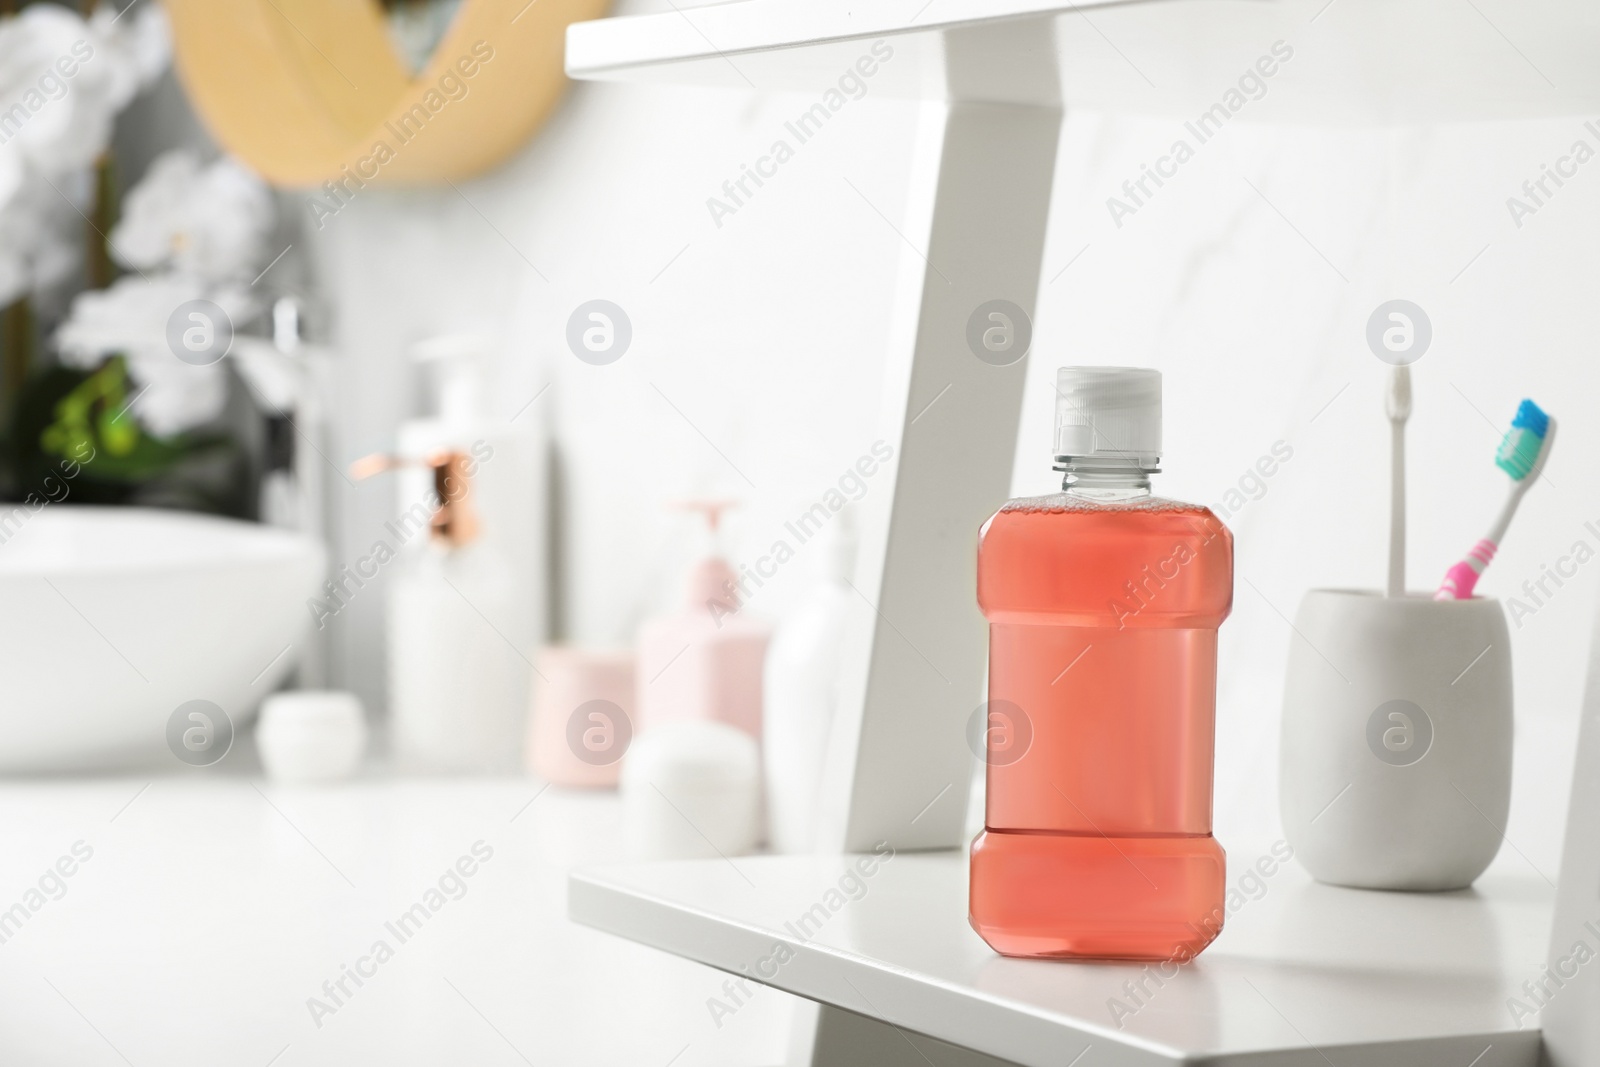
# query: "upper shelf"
x,y
1363,62
1303,974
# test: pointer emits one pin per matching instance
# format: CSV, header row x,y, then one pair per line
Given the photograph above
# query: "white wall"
x,y
1257,333
756,353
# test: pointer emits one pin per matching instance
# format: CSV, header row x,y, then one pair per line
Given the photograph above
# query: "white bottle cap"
x,y
1109,412
311,735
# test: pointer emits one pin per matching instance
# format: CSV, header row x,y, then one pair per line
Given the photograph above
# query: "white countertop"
x,y
213,906
1302,973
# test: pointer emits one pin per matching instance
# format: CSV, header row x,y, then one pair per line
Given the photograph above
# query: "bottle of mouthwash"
x,y
1103,604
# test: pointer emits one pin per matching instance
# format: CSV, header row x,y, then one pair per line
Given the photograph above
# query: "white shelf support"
x,y
1571,1019
822,1035
899,762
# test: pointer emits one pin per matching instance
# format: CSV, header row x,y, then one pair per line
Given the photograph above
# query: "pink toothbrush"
x,y
1522,454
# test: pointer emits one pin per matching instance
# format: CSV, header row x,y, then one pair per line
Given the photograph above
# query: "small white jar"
x,y
1395,768
691,790
311,735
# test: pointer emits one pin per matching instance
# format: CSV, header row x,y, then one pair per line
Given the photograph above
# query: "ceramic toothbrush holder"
x,y
1396,754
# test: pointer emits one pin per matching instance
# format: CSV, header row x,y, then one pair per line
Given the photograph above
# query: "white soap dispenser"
x,y
508,486
466,605
456,685
802,690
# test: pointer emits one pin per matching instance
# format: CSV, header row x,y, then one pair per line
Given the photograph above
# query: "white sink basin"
x,y
116,616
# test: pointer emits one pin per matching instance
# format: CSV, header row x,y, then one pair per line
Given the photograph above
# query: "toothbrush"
x,y
1522,454
1398,406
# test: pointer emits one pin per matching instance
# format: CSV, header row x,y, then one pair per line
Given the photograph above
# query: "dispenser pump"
x,y
711,580
455,521
457,363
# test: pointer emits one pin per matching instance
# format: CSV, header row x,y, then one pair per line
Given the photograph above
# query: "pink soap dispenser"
x,y
704,661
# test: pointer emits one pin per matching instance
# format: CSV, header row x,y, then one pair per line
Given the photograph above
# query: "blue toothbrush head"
x,y
1519,451
1531,416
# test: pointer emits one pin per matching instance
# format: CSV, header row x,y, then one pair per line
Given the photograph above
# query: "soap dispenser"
x,y
704,661
456,684
475,411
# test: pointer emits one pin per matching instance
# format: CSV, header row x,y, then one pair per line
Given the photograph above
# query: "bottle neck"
x,y
1106,478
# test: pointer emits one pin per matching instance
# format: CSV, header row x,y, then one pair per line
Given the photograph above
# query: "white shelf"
x,y
1355,61
1305,975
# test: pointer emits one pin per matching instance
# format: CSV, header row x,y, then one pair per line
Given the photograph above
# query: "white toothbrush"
x,y
1398,405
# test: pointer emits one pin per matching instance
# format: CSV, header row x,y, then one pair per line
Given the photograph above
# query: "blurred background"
x,y
432,324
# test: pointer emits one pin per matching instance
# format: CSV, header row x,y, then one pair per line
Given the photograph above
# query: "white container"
x,y
457,686
801,684
311,735
691,790
581,722
465,617
1396,754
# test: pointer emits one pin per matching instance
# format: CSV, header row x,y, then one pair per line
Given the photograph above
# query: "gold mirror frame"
x,y
307,91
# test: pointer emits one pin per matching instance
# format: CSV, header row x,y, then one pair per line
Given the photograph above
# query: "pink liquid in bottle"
x,y
1103,605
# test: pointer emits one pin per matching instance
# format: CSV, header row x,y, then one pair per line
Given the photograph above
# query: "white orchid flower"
x,y
193,231
212,222
131,318
41,235
62,81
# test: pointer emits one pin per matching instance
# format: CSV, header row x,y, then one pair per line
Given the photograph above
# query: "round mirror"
x,y
308,91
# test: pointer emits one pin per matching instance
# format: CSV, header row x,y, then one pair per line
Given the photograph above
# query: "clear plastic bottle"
x,y
1103,604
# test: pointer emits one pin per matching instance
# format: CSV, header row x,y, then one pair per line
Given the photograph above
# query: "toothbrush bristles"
x,y
1531,416
1519,450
